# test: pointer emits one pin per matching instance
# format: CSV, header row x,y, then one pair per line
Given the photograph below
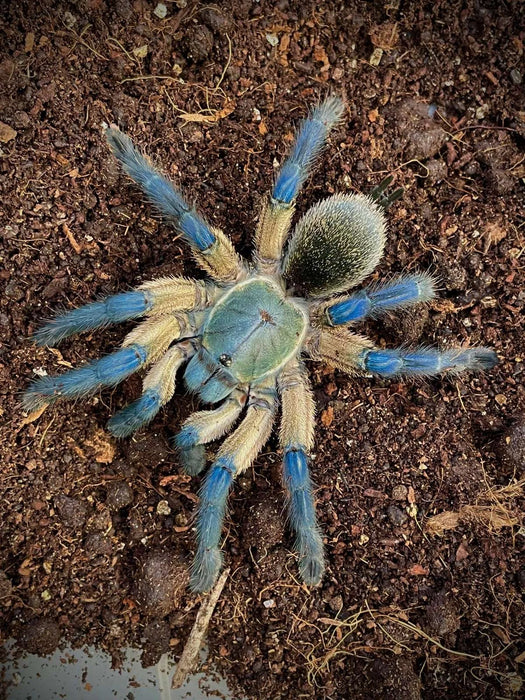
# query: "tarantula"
x,y
244,329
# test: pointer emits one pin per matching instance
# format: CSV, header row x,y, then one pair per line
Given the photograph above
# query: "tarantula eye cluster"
x,y
242,333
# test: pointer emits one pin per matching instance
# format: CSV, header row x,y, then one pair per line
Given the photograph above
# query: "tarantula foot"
x,y
205,569
311,570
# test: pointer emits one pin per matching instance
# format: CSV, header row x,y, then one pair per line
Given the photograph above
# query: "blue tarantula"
x,y
243,332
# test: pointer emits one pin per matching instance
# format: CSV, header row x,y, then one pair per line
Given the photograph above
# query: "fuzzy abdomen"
x,y
335,245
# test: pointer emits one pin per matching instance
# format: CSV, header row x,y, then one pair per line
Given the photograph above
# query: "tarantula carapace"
x,y
244,330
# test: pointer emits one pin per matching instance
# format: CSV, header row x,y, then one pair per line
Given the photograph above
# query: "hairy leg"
x,y
153,298
204,427
274,223
235,455
143,346
400,293
296,437
355,354
158,388
211,248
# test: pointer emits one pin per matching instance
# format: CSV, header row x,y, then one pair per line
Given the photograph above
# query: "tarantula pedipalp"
x,y
242,333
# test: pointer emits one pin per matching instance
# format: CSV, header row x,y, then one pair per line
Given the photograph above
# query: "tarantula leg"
x,y
374,301
107,371
296,438
380,195
356,354
204,427
211,248
276,217
426,361
235,455
152,298
158,333
158,388
142,346
308,143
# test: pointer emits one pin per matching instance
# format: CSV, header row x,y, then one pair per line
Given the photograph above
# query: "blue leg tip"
x,y
134,416
205,569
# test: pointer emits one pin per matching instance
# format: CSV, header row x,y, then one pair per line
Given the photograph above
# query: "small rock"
x,y
272,39
163,508
393,678
141,51
72,512
69,19
119,495
422,136
442,615
6,133
160,583
98,544
516,76
156,642
22,119
399,492
396,515
513,446
40,636
336,603
217,22
160,11
197,43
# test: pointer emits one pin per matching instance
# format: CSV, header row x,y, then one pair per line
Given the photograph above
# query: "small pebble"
x,y
161,10
336,603
272,39
197,43
161,579
72,512
514,443
399,492
69,19
516,76
119,495
396,515
163,508
40,636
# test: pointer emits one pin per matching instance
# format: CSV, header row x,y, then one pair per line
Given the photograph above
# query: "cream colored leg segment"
x,y
157,334
211,425
161,376
272,231
339,348
221,261
243,446
297,408
169,294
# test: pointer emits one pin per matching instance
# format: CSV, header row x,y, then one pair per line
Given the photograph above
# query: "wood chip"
x,y
210,118
194,642
33,416
71,238
327,417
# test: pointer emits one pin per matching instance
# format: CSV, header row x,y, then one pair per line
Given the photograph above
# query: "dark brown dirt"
x,y
402,612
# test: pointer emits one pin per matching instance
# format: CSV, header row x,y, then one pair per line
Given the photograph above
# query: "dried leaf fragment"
x,y
228,108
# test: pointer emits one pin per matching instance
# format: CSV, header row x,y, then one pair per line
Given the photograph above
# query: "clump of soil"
x,y
97,535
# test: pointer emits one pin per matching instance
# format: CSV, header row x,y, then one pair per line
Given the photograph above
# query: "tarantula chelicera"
x,y
243,331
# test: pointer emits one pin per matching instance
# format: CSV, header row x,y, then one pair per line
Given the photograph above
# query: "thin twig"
x,y
193,645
